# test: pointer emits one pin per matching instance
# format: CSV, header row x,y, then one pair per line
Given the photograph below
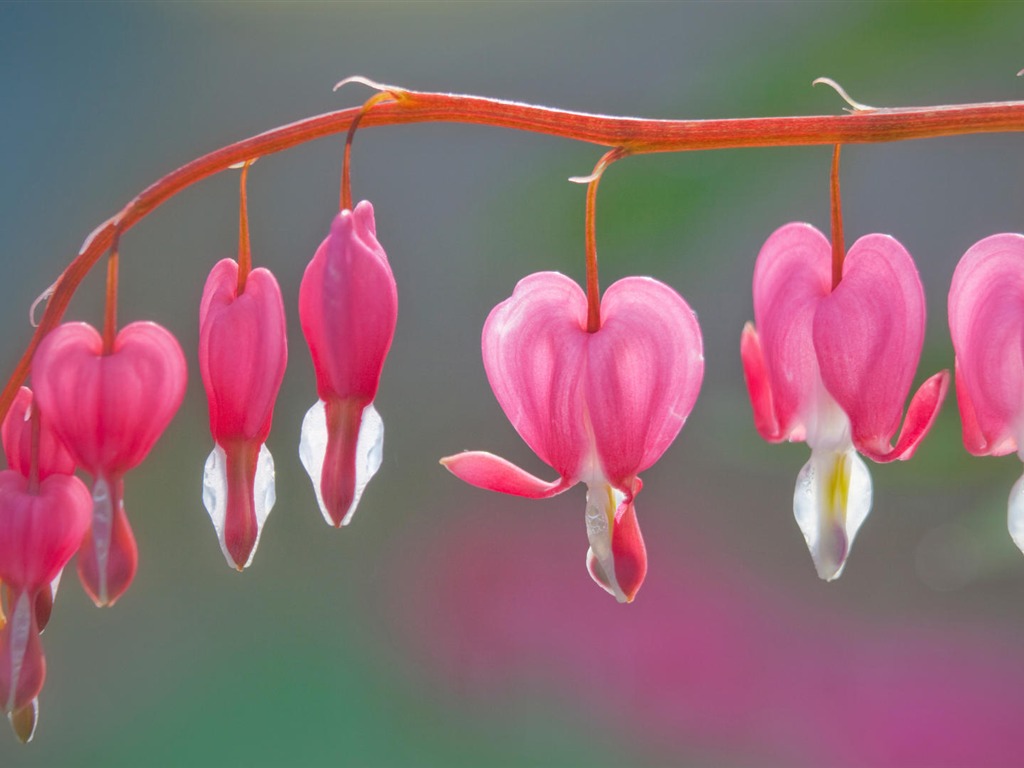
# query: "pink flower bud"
x,y
348,307
17,439
243,351
109,410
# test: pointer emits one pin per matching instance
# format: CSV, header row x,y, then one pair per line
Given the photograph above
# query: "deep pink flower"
x,y
986,321
348,307
243,351
41,527
597,407
109,410
834,367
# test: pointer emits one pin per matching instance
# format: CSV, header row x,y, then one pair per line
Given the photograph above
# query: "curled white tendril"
x,y
855,106
41,298
394,91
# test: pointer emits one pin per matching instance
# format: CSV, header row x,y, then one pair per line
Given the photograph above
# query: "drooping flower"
x,y
348,307
833,366
243,351
109,410
597,407
44,513
51,458
986,322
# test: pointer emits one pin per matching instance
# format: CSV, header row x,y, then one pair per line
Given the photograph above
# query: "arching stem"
x,y
838,245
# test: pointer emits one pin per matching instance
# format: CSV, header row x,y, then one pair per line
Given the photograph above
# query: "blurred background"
x,y
448,626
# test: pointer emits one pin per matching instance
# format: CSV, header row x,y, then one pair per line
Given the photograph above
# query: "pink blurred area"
x,y
709,657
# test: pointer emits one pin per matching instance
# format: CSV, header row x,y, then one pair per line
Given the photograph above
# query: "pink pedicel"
x,y
348,307
243,351
109,410
598,408
986,322
833,367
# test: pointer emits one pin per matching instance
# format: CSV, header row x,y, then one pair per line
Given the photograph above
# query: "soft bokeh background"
x,y
448,626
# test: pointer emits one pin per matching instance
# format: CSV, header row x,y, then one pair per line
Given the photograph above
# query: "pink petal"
x,y
17,438
921,413
986,322
755,373
22,665
868,335
243,351
348,307
109,409
493,473
109,556
534,349
793,273
644,370
629,553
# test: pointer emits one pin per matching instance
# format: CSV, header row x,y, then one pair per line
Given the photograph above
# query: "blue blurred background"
x,y
447,626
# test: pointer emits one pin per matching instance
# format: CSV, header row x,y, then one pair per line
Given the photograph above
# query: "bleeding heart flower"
x,y
41,527
986,321
243,351
348,307
833,366
597,407
109,410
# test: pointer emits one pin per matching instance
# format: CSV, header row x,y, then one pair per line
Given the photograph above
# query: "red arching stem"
x,y
593,285
110,313
838,246
346,163
244,249
636,135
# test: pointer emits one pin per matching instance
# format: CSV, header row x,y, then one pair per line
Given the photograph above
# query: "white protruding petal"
x,y
602,501
215,495
1015,517
20,627
831,501
369,452
102,530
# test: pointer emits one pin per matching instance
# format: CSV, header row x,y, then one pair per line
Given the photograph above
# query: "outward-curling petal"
x,y
493,473
644,370
868,335
986,322
759,387
534,346
793,273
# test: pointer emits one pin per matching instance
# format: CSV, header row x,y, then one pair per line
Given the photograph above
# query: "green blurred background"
x,y
447,626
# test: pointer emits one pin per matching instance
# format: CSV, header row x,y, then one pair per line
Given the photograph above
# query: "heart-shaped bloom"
x,y
348,307
833,366
243,352
597,407
40,530
986,321
109,410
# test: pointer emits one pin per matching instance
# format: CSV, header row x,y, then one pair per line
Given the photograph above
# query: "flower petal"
x,y
341,459
759,386
986,322
109,555
493,473
644,370
17,439
831,501
793,273
534,347
868,335
238,492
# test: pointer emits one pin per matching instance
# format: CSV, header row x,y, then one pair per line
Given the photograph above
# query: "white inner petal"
x,y
215,495
20,626
602,501
1015,516
831,501
369,452
102,530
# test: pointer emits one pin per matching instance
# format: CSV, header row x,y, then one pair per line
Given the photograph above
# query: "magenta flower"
x,y
986,321
833,366
109,410
348,307
44,513
597,407
243,351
